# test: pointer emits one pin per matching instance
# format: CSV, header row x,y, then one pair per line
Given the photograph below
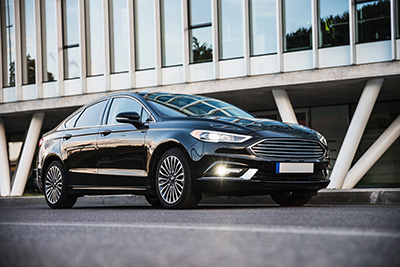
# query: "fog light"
x,y
223,170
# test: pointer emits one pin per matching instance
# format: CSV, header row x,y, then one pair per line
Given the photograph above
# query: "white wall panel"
x,y
9,94
73,87
201,72
334,56
398,48
302,60
232,68
264,64
29,92
120,81
50,89
373,52
96,84
146,78
172,75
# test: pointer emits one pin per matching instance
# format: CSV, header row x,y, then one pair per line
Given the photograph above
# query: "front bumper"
x,y
253,175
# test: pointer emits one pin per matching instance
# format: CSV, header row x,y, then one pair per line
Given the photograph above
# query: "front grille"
x,y
284,149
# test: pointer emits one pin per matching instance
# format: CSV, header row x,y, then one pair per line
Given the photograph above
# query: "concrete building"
x,y
330,65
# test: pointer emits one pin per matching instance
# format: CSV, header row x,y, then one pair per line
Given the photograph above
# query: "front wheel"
x,y
174,181
293,199
56,187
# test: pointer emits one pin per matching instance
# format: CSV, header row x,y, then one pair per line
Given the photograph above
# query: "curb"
x,y
377,196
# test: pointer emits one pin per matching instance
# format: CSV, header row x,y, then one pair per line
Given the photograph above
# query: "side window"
x,y
91,115
145,116
122,104
71,122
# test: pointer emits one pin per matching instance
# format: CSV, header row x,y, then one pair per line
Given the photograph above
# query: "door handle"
x,y
66,136
105,132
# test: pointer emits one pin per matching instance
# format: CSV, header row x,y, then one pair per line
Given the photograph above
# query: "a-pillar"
x,y
355,132
4,163
28,152
284,106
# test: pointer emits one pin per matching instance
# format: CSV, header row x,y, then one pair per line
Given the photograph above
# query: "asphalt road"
x,y
252,235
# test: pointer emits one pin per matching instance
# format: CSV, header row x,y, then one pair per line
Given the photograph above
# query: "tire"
x,y
56,187
153,201
174,181
292,199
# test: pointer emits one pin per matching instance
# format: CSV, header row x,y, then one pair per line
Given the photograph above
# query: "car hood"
x,y
265,127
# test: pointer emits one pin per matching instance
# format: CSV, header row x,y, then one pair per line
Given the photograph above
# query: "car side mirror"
x,y
130,117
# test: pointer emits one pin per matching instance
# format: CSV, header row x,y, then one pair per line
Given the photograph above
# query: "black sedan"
x,y
174,148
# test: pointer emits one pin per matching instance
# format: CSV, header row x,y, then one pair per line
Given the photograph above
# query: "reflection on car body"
x,y
173,148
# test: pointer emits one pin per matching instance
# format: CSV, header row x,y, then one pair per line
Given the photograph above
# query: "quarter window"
x,y
91,115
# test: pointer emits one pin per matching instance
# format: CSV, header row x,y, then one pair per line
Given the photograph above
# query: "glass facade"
x,y
71,39
200,31
373,21
28,41
231,29
263,27
144,33
171,27
297,26
119,36
8,42
333,23
49,40
94,37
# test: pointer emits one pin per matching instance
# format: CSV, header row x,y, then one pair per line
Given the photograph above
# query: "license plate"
x,y
287,167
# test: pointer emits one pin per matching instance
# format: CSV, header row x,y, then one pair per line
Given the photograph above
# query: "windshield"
x,y
193,105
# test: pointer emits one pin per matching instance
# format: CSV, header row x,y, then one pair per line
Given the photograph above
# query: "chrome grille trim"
x,y
284,149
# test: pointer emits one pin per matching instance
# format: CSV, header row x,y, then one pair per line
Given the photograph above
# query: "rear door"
x,y
79,146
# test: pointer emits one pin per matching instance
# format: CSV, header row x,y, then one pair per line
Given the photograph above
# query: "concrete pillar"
x,y
284,106
28,152
380,146
355,132
4,163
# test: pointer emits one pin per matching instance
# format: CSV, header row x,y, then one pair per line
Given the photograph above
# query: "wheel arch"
x,y
156,155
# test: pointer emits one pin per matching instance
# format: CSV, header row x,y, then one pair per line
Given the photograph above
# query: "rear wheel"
x,y
56,187
292,198
174,181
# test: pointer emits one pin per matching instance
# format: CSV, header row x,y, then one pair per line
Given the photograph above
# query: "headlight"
x,y
215,137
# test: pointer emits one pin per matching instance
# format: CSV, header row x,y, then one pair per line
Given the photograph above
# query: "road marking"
x,y
227,228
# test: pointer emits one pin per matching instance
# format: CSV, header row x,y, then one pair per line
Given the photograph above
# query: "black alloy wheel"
x,y
56,187
294,199
174,181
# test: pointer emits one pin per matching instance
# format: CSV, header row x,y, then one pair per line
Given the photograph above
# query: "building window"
x,y
49,40
94,37
373,20
263,27
231,28
8,42
171,37
144,33
119,36
200,31
297,25
398,18
334,23
71,39
28,41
